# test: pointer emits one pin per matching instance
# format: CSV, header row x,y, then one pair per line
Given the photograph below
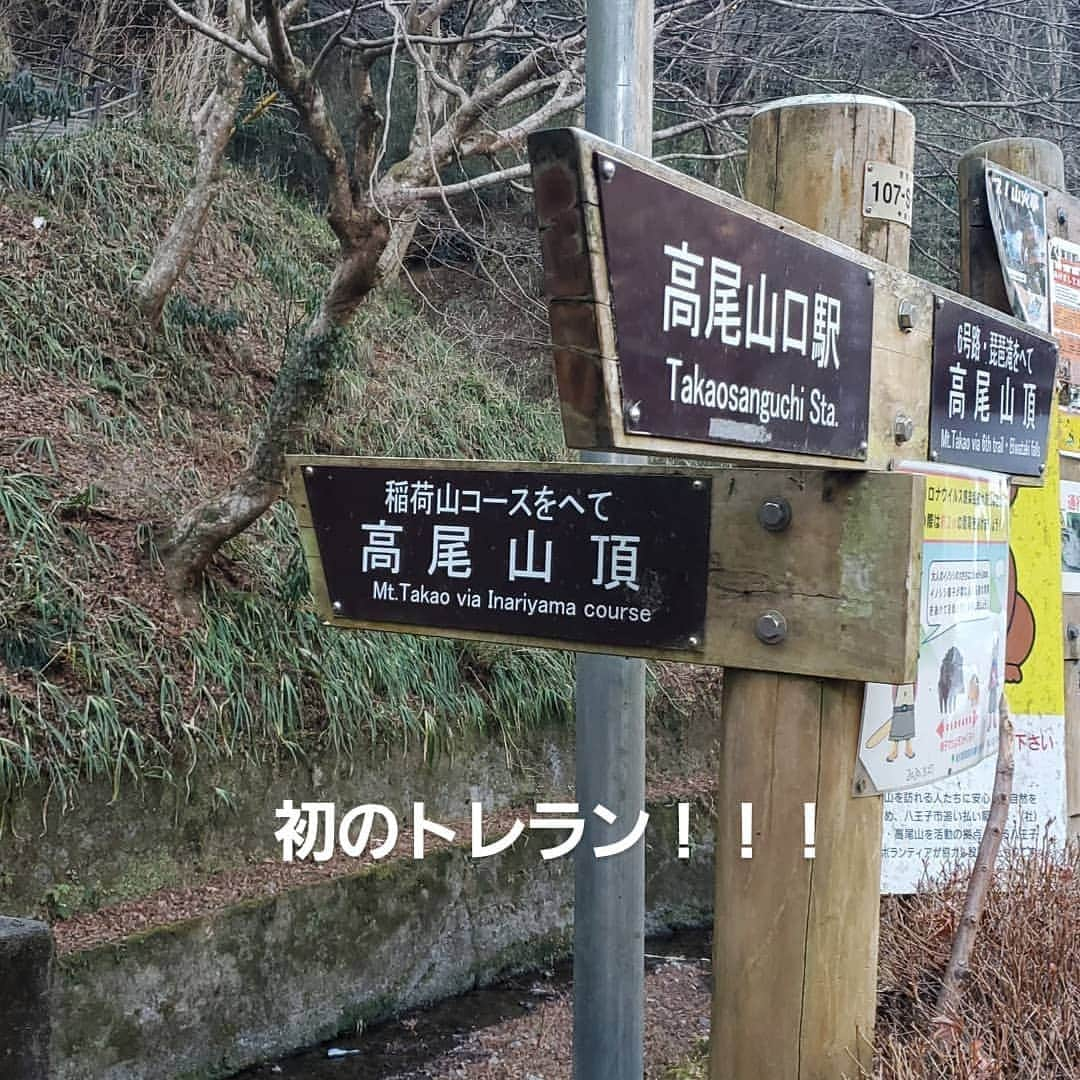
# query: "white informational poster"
x,y
928,830
1065,311
1070,536
947,720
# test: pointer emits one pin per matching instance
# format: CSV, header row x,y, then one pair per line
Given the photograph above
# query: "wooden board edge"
x,y
298,461
915,565
586,144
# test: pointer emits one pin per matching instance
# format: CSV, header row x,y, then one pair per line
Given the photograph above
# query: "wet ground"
x,y
409,1047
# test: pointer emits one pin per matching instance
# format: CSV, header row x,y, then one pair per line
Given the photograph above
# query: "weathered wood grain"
x,y
839,574
795,940
578,290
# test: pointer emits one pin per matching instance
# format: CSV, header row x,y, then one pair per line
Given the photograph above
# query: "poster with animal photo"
x,y
946,721
1018,214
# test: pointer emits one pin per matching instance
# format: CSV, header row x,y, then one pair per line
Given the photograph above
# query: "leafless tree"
x,y
213,124
486,74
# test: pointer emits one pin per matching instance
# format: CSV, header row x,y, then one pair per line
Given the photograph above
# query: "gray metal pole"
x,y
609,893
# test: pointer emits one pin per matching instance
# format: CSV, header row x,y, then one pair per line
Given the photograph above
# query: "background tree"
x,y
212,126
485,74
445,92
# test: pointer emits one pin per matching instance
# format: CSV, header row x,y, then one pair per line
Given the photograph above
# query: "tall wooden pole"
x,y
980,269
980,277
795,941
609,708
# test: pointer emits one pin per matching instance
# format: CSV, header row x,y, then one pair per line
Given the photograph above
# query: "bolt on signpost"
x,y
689,323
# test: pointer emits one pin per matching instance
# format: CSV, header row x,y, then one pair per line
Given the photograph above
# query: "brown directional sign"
x,y
600,557
687,322
992,391
674,564
730,331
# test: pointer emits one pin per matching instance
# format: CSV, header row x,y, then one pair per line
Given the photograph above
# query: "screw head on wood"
x,y
771,628
905,316
774,514
607,169
903,427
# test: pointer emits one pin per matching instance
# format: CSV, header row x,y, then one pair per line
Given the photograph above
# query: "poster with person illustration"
x,y
946,720
1017,209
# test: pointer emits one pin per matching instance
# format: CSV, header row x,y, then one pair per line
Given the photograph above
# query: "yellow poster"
x,y
1033,654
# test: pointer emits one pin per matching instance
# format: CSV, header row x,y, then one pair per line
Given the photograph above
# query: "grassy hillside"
x,y
106,431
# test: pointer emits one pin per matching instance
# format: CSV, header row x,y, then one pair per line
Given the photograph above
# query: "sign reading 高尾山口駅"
x,y
685,321
992,391
732,331
567,555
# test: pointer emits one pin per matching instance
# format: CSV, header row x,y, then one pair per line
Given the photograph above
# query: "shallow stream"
x,y
395,1049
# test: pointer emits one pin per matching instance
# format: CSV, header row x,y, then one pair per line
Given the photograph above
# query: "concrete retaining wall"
x,y
109,848
204,998
26,949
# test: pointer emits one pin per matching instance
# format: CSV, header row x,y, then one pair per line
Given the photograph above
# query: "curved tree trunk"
x,y
301,385
401,235
214,128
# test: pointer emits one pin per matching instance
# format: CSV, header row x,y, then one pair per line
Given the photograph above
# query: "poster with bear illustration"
x,y
947,720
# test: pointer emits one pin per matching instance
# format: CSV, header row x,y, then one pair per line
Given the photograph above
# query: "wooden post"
x,y
980,269
795,941
981,278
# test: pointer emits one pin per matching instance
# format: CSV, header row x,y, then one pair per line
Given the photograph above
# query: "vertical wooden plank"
x,y
761,159
980,270
770,728
842,928
806,158
980,275
795,940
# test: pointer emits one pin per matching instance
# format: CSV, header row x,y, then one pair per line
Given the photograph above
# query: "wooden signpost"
x,y
741,567
1042,167
689,323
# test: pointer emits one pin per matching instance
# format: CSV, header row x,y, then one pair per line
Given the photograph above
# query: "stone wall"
x,y
207,997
